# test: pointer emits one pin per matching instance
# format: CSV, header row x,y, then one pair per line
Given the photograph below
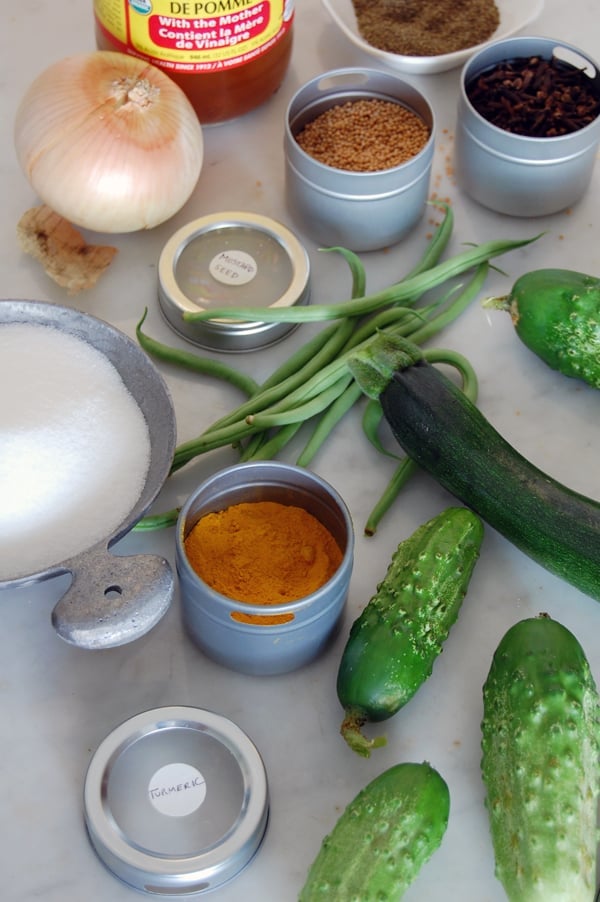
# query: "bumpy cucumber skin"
x,y
556,314
395,641
382,839
540,765
448,436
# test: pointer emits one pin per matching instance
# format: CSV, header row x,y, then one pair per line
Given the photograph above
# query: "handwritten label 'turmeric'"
x,y
177,789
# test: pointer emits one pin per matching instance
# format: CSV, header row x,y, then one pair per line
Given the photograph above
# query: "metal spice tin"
x,y
515,174
362,211
176,801
259,648
232,259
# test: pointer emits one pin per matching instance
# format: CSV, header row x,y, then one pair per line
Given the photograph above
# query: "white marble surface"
x,y
59,702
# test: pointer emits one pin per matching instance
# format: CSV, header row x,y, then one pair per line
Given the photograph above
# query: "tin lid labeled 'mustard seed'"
x,y
231,260
176,801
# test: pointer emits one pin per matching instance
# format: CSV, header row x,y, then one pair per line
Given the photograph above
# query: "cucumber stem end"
x,y
502,302
351,731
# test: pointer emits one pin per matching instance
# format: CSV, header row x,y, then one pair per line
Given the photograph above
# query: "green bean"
x,y
305,402
280,391
252,446
438,243
411,288
403,472
210,440
447,315
460,363
305,406
329,374
193,362
332,416
359,276
304,411
271,446
325,344
303,355
308,361
320,381
157,521
316,383
405,317
371,421
311,356
264,448
275,401
276,439
407,467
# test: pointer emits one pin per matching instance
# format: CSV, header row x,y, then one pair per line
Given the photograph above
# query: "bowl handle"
x,y
112,600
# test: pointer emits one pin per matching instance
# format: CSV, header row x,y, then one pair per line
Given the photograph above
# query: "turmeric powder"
x,y
262,552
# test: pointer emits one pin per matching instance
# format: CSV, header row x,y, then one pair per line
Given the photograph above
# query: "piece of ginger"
x,y
62,250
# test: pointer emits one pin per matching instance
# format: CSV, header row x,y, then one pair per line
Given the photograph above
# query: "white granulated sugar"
x,y
74,448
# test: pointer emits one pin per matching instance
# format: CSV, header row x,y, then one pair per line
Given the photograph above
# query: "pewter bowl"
x,y
112,599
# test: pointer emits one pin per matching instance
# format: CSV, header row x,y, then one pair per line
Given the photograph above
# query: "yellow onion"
x,y
109,142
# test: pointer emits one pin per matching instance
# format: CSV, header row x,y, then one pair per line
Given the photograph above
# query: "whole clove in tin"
x,y
535,97
528,126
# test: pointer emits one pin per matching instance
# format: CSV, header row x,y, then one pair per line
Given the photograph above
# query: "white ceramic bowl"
x,y
514,15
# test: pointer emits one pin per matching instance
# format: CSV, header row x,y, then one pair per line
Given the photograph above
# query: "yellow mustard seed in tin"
x,y
364,135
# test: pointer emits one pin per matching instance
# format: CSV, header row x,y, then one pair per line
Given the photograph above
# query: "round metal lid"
x,y
231,260
176,801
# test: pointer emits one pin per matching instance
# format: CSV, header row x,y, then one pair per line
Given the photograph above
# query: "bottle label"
x,y
195,35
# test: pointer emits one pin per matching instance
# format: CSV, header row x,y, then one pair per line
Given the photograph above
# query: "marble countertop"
x,y
58,702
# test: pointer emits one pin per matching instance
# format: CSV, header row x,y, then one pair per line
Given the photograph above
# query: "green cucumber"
x,y
540,765
395,641
556,314
382,839
448,436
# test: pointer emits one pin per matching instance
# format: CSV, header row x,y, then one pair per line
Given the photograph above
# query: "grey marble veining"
x,y
58,702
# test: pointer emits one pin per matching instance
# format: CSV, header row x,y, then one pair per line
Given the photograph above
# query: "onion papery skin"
x,y
105,159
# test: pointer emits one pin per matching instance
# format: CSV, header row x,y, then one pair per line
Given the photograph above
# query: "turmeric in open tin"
x,y
262,553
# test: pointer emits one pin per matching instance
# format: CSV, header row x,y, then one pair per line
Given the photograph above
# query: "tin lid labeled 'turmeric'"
x,y
231,260
176,801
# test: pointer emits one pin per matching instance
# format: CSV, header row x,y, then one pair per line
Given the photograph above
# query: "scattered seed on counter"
x,y
364,135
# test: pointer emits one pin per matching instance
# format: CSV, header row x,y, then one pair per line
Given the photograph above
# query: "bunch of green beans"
x,y
315,383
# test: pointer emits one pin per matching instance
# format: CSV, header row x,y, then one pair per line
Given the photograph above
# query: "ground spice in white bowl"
x,y
425,27
364,135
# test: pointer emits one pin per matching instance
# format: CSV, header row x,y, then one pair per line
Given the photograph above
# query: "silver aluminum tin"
x,y
268,243
112,599
362,211
261,649
176,801
515,174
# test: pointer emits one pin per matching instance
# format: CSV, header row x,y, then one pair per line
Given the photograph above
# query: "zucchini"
x,y
540,743
382,839
556,314
448,436
395,641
